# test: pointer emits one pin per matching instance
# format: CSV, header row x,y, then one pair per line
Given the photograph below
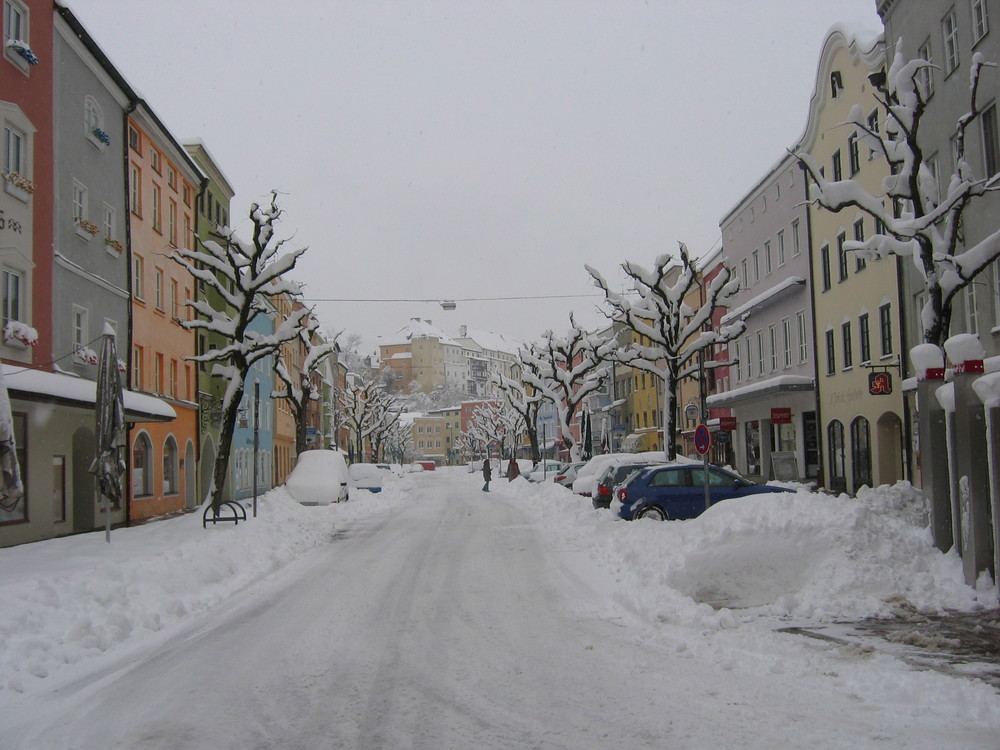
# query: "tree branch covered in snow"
x,y
523,401
566,370
306,385
918,223
496,424
371,413
671,334
244,277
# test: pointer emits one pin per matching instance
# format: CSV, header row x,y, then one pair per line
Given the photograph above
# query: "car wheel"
x,y
651,511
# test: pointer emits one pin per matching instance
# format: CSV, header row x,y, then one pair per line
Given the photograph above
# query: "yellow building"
x,y
857,303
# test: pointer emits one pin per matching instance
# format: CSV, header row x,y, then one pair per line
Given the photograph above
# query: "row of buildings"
x,y
96,193
820,386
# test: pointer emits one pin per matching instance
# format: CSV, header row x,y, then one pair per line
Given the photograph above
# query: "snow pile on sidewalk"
x,y
807,556
65,600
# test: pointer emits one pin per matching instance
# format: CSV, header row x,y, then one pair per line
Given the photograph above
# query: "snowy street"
x,y
437,616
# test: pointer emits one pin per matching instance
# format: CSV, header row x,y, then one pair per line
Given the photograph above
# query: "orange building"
x,y
163,186
284,419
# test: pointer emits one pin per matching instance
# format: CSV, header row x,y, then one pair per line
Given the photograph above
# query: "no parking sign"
x,y
702,439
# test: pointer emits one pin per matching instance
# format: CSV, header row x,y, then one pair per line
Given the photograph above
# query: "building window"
x,y
831,354
156,208
971,311
135,190
859,236
853,154
781,247
138,280
142,466
772,335
786,340
171,177
15,27
949,32
755,257
980,20
154,160
824,261
14,157
803,331
838,170
12,282
158,373
768,258
80,327
885,329
760,352
93,123
796,241
991,145
864,336
133,140
841,257
925,78
137,368
79,201
845,334
158,288
172,222
170,485
745,273
172,390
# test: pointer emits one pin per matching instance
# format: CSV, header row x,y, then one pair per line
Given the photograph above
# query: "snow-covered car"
x,y
608,482
391,470
319,478
567,475
586,478
677,491
364,477
545,471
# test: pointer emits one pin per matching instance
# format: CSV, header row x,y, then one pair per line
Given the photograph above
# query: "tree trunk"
x,y
225,446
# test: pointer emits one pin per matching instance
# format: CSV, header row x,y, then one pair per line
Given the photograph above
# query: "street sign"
x,y
722,437
691,411
879,383
727,423
702,439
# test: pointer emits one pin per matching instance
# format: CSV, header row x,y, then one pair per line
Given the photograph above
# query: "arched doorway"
x,y
83,485
890,448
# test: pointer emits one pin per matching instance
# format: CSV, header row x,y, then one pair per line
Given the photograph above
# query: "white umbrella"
x,y
11,487
108,465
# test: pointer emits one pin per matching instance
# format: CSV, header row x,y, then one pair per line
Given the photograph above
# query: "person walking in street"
x,y
513,470
487,475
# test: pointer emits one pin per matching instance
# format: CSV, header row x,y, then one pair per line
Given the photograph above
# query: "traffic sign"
x,y
722,437
702,439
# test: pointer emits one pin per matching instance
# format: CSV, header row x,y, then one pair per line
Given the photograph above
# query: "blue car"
x,y
677,491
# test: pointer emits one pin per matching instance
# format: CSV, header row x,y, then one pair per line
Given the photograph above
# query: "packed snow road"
x,y
446,623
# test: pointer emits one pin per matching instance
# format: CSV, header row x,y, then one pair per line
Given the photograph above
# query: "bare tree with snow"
x,y
370,411
245,276
525,402
566,370
495,423
302,388
672,334
916,223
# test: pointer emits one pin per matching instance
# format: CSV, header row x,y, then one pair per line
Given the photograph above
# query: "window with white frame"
x,y
172,222
865,338
853,154
138,277
786,340
93,122
760,352
80,327
13,282
15,27
768,258
772,340
859,236
803,332
980,20
135,190
971,309
796,240
14,157
991,144
755,258
158,287
781,247
949,34
155,194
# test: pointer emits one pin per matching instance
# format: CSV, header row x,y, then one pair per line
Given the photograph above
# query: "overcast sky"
x,y
469,150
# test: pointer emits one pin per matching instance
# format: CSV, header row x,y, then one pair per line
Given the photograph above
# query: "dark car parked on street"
x,y
677,491
612,477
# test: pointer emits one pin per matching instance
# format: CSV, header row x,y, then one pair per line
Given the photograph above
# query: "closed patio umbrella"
x,y
11,487
108,465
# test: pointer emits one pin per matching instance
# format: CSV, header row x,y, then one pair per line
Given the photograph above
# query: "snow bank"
x,y
65,600
807,556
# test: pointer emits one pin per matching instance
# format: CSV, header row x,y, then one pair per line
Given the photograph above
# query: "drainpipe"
x,y
820,456
133,103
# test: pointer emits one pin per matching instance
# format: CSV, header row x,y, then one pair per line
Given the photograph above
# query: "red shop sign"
x,y
781,415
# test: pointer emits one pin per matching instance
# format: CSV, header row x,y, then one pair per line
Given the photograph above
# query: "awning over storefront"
x,y
762,389
27,384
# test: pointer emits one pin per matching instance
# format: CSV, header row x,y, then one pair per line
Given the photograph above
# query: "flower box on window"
x,y
122,367
102,136
114,244
18,185
85,227
23,50
85,355
19,334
